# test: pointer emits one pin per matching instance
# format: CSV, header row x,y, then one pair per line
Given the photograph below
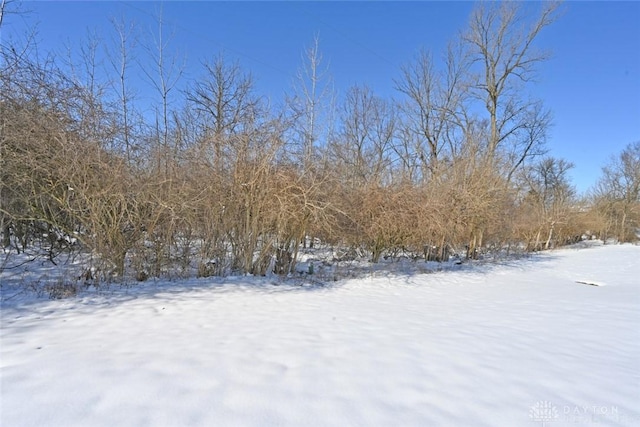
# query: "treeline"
x,y
229,184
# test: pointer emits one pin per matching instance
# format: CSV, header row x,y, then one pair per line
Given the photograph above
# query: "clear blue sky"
x,y
591,83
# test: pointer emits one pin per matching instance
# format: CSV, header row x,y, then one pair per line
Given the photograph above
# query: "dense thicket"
x,y
228,184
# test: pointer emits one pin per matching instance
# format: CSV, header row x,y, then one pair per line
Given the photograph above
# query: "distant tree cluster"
x,y
226,183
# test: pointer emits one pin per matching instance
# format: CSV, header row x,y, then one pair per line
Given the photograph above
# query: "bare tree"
x,y
361,148
120,60
549,201
503,50
532,138
617,192
432,108
224,98
96,117
164,79
313,96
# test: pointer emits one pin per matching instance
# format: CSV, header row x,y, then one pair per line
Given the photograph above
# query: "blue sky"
x,y
591,83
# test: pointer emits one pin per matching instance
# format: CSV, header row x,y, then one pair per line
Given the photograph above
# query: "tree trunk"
x,y
548,243
471,250
6,234
536,246
622,233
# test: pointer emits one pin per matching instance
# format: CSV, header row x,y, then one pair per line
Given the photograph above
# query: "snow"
x,y
518,343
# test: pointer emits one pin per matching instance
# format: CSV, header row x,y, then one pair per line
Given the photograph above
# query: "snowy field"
x,y
520,343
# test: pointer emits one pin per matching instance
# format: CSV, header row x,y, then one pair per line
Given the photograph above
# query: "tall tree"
x,y
505,59
432,107
226,105
164,79
311,101
362,145
120,59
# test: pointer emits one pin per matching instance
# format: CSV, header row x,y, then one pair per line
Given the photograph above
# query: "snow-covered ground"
x,y
520,343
